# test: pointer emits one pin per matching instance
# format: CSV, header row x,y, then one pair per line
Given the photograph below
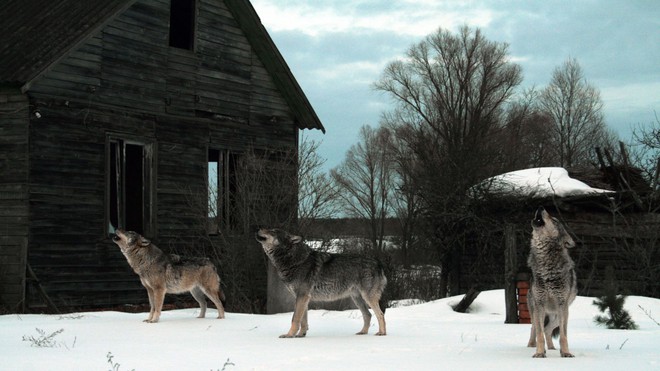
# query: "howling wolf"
x,y
161,273
315,275
554,284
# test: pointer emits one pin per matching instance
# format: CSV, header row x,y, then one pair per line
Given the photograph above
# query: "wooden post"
x,y
510,270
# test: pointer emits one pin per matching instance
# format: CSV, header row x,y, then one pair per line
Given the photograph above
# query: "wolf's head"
x,y
273,239
129,240
546,227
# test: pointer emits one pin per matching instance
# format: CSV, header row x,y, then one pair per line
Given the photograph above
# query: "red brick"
x,y
522,284
523,291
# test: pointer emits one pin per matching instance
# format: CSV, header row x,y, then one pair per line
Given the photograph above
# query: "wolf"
x,y
321,276
554,284
161,273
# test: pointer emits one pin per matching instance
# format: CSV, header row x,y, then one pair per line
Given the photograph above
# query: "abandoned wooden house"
x,y
109,111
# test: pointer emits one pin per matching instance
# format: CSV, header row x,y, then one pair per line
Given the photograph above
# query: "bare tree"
x,y
526,137
454,86
317,194
406,201
575,108
364,180
450,90
646,151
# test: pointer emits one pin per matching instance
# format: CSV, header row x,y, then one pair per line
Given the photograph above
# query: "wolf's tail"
x,y
551,320
221,294
382,303
385,271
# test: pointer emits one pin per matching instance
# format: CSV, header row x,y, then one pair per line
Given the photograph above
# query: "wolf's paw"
x,y
150,320
380,333
539,355
567,355
221,316
361,333
286,336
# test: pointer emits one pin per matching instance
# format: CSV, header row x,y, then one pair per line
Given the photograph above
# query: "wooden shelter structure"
x,y
617,236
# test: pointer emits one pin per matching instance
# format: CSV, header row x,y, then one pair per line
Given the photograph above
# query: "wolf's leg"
x,y
532,336
539,316
375,306
199,297
366,316
304,325
150,293
213,293
302,301
563,331
159,297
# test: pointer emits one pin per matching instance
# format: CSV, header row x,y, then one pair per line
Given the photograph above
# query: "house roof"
x,y
39,33
274,63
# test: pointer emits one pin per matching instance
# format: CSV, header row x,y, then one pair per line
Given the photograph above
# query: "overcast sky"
x,y
338,48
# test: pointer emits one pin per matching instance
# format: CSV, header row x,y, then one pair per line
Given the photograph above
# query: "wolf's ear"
x,y
144,242
295,239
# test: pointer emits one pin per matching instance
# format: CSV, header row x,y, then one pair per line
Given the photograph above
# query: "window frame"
x,y
148,183
225,190
175,27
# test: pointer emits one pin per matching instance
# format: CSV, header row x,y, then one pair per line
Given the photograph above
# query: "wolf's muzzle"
x,y
538,217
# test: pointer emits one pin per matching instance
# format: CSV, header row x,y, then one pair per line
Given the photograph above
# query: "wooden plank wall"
x,y
14,111
127,81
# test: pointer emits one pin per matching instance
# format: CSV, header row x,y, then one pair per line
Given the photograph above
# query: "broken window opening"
x,y
182,24
221,190
129,184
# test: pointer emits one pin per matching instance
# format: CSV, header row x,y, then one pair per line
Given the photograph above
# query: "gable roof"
x,y
39,33
274,63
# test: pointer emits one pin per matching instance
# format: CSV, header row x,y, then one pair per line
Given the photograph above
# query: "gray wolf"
x,y
321,276
554,284
162,273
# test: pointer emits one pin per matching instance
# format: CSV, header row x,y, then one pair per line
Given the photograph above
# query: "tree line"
x,y
459,116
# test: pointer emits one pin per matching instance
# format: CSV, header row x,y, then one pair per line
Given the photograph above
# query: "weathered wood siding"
x,y
126,80
14,113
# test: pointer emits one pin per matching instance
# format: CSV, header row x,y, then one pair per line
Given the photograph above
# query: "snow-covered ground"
x,y
427,336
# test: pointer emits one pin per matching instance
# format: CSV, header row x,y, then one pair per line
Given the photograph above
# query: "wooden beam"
x,y
510,272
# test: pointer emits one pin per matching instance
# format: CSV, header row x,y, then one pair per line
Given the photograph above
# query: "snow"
x,y
539,182
428,336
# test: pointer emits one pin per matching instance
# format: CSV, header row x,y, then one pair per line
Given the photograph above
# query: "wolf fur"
x,y
161,273
320,276
554,284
